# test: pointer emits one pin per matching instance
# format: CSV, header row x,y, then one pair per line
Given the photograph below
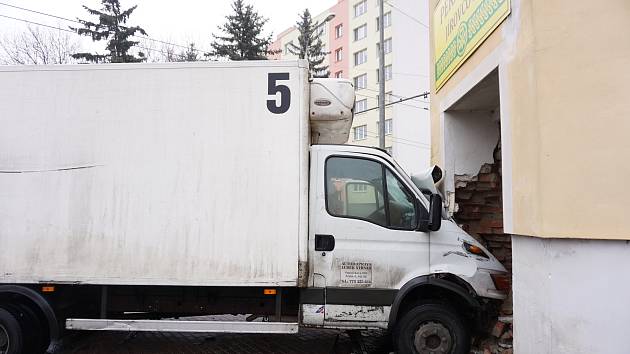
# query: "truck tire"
x,y
34,330
431,328
35,335
11,335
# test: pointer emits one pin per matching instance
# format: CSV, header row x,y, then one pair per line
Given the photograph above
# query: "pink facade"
x,y
342,42
335,42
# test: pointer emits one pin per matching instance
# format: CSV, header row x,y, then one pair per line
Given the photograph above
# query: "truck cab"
x,y
377,260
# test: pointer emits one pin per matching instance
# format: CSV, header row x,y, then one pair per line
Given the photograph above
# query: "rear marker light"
x,y
48,289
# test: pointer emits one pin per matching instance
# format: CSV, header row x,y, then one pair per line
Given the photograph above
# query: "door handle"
x,y
324,243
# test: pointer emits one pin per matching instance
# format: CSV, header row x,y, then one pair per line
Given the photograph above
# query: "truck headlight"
x,y
476,250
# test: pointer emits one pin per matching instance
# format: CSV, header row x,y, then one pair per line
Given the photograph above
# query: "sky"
x,y
179,21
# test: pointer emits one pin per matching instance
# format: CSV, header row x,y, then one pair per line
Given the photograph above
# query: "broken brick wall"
x,y
480,210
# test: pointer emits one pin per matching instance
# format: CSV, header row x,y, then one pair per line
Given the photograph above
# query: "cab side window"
x,y
400,202
365,189
354,189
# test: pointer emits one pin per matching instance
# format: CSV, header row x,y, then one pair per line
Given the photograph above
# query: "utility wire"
x,y
391,94
402,104
75,21
422,146
425,94
38,24
73,32
400,140
406,14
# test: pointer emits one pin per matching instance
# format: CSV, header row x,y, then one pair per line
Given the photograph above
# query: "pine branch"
x,y
110,27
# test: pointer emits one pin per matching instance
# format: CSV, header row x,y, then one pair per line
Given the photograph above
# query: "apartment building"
x,y
350,33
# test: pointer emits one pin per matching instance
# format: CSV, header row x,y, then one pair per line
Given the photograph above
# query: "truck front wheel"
x,y
11,337
431,328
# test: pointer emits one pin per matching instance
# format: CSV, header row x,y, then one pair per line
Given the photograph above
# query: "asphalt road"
x,y
312,341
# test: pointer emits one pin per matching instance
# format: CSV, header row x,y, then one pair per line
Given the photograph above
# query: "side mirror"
x,y
435,212
431,220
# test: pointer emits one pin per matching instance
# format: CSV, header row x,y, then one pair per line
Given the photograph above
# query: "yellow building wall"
x,y
565,90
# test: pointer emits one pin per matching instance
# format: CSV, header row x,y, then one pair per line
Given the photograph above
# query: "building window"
x,y
389,127
360,57
360,106
286,48
339,74
339,31
360,8
339,54
320,30
389,97
388,46
360,82
387,19
360,132
388,73
360,32
360,188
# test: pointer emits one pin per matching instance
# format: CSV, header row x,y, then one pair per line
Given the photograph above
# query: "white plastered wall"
x,y
470,139
571,296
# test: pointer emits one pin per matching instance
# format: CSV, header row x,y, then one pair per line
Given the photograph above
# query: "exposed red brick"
x,y
480,210
498,328
488,177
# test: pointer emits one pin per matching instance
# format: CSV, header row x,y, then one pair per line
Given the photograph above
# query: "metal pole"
x,y
381,77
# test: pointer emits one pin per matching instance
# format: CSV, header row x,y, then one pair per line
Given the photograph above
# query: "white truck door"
x,y
363,242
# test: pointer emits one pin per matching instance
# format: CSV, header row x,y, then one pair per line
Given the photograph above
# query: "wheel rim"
x,y
4,340
433,338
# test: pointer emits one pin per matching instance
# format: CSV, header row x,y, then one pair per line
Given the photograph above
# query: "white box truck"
x,y
132,195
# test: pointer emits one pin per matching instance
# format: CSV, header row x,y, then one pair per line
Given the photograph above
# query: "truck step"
x,y
180,326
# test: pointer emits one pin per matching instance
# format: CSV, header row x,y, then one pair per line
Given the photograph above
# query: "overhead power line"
x,y
75,21
73,32
406,14
425,94
402,104
396,140
394,95
37,23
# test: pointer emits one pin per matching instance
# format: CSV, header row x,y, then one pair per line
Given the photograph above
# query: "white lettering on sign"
x,y
356,273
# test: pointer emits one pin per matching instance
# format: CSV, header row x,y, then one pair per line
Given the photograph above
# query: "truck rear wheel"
x,y
11,335
431,328
34,334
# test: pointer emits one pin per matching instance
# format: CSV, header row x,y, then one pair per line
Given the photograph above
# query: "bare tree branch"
x,y
37,46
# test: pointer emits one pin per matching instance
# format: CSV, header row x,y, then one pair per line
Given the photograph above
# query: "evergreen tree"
x,y
111,28
310,46
191,54
243,39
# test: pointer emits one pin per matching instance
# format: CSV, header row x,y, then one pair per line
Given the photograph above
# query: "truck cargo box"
x,y
156,174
